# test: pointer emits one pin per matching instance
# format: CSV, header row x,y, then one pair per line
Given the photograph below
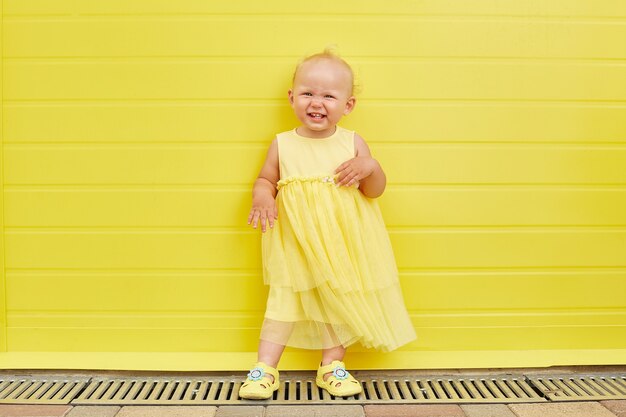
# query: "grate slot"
x,y
168,390
202,391
449,391
504,388
150,390
54,390
212,391
32,389
426,390
102,389
566,389
599,387
124,390
10,389
579,387
392,389
405,389
515,388
381,389
620,388
483,389
416,391
14,390
181,387
371,391
460,390
192,392
471,389
76,390
50,390
491,387
3,386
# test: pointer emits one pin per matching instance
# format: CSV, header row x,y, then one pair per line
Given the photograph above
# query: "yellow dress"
x,y
328,259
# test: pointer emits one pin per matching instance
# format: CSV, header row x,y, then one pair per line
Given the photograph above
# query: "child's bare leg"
x,y
270,353
333,354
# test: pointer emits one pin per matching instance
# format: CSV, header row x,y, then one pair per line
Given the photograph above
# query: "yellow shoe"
x,y
340,383
258,386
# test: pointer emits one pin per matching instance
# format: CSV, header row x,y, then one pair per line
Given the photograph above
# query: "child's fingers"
x,y
342,176
348,178
264,216
255,219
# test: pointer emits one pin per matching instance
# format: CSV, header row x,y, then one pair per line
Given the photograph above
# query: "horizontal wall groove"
x,y
247,188
512,271
332,17
395,102
359,60
254,313
138,313
282,102
131,187
508,228
266,141
245,229
241,272
137,272
263,145
589,184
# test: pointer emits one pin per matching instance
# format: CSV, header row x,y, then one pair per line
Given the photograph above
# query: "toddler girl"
x,y
326,254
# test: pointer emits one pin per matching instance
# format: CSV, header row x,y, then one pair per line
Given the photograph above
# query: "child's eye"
x,y
307,94
329,96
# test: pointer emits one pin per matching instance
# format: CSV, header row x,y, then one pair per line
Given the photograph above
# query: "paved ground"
x,y
611,408
577,409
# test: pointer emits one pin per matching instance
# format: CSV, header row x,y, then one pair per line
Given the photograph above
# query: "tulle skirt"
x,y
331,271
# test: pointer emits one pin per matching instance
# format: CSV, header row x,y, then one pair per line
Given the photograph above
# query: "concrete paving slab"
x,y
33,410
617,407
167,411
414,410
240,411
577,409
314,411
487,410
94,411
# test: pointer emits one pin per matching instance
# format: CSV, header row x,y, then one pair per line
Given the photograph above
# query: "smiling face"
x,y
321,96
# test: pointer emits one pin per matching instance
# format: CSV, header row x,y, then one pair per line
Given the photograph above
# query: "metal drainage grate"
x,y
453,389
47,390
26,389
581,387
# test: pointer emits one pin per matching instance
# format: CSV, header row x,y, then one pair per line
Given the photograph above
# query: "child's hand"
x,y
355,170
263,208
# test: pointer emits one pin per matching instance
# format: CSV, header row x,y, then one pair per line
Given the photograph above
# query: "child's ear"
x,y
290,94
349,105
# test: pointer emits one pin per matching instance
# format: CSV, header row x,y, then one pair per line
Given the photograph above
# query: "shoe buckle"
x,y
340,373
256,374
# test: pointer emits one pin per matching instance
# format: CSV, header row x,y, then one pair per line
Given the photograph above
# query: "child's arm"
x,y
363,168
264,191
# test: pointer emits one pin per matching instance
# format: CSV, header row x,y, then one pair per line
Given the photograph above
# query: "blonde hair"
x,y
329,53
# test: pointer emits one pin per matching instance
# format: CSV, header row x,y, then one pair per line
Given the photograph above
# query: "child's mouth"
x,y
316,116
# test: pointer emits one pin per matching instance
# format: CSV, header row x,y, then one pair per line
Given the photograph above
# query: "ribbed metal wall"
x,y
132,132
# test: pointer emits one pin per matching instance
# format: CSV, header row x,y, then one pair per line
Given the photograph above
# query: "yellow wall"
x,y
133,130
